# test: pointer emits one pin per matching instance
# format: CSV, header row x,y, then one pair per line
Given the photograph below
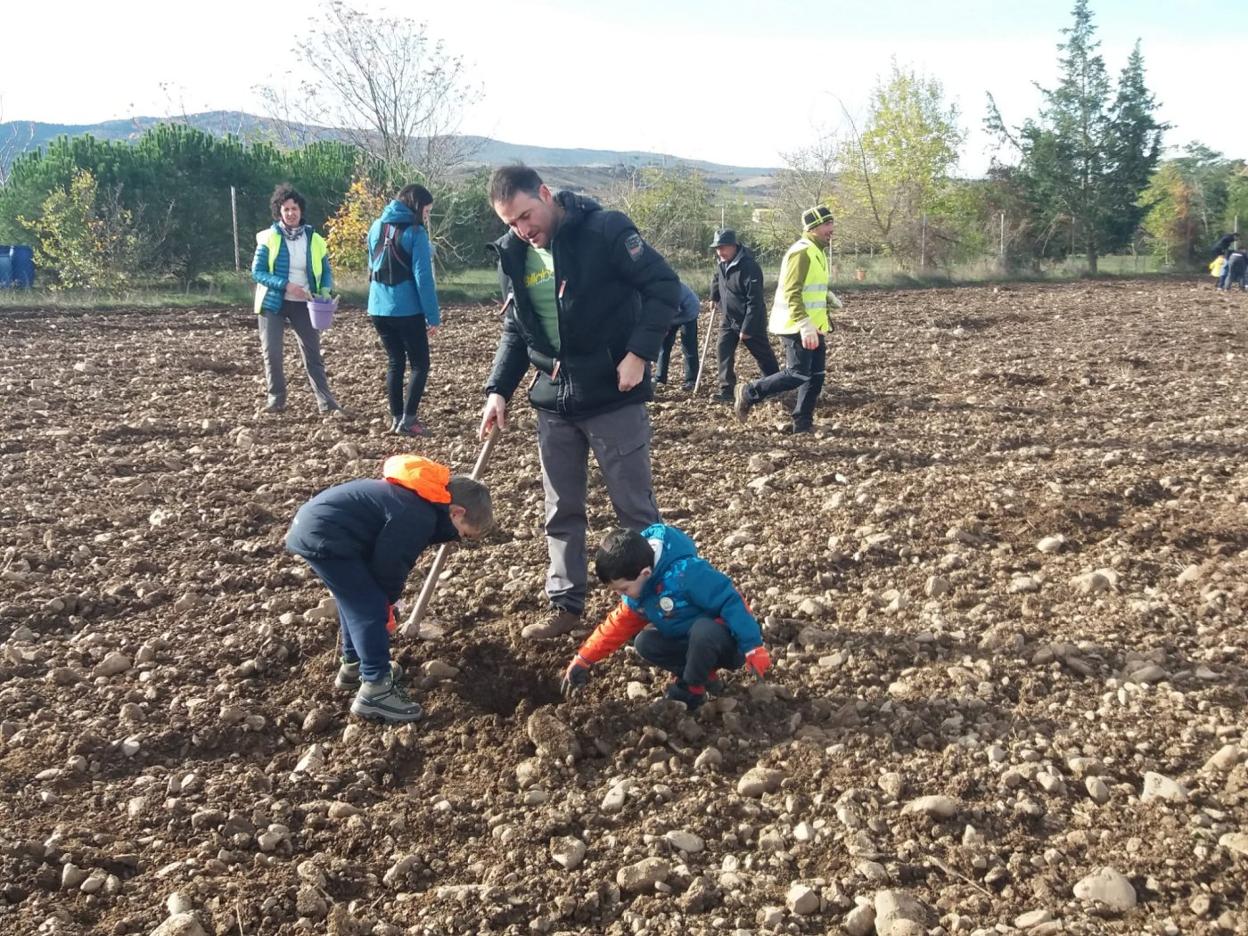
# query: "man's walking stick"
x,y
706,346
412,624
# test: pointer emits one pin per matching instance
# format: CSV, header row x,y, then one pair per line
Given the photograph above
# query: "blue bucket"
x,y
23,259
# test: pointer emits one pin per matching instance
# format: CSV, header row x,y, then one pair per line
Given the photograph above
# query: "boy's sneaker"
x,y
349,674
724,395
413,428
692,696
385,701
741,402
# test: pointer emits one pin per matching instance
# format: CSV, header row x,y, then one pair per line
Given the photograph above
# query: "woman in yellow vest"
x,y
290,267
799,315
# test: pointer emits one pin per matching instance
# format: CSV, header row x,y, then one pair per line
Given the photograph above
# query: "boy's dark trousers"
x,y
362,613
709,645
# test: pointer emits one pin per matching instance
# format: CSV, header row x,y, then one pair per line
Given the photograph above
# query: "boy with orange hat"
x,y
362,539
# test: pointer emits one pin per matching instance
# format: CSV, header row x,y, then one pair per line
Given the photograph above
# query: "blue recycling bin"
x,y
6,267
23,260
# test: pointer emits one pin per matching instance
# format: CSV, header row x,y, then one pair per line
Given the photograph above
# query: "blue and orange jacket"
x,y
387,522
682,588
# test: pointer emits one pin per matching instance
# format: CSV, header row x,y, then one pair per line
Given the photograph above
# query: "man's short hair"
x,y
506,182
622,554
474,497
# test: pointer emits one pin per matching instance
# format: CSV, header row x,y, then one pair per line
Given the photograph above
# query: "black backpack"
x,y
391,264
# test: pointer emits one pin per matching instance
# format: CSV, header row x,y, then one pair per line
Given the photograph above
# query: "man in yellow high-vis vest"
x,y
799,315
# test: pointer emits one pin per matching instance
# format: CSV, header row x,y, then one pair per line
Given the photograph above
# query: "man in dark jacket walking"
x,y
737,285
588,304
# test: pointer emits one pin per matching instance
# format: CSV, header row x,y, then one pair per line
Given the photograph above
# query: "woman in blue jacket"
x,y
402,301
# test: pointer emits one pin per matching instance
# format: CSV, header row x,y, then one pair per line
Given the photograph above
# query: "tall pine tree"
x,y
1085,157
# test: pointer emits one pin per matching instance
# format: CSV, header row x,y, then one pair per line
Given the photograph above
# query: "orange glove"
x,y
392,622
758,661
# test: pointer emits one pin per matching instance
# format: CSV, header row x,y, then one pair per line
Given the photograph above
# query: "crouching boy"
x,y
362,539
682,614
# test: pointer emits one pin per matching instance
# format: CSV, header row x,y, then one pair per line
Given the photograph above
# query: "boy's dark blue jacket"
x,y
383,522
682,588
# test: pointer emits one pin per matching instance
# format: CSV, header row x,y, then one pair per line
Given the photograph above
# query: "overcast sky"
x,y
729,81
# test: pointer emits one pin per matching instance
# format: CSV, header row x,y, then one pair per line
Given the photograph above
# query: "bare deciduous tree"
x,y
395,91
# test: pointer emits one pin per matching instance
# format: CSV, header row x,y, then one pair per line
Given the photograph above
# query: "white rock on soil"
x,y
72,876
439,670
1160,787
1193,573
759,780
1032,918
685,841
642,875
1236,842
771,918
942,807
568,852
113,664
709,759
899,914
1097,789
313,761
1225,759
892,783
860,921
613,802
180,924
801,899
177,903
1108,887
1051,544
1095,582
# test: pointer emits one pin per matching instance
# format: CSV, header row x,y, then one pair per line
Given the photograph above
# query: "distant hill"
x,y
585,169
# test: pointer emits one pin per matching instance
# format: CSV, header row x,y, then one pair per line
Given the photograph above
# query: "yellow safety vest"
x,y
783,320
273,240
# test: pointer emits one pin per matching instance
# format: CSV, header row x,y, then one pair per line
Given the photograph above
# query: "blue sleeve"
x,y
399,545
690,306
713,592
422,273
260,270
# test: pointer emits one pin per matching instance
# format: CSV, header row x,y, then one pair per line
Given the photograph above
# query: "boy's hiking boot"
x,y
559,623
741,402
715,685
385,701
724,395
692,696
349,674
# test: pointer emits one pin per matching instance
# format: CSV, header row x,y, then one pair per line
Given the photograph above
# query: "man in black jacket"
x,y
737,285
588,304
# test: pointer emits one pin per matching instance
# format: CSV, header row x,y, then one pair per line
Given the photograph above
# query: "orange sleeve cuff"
x,y
619,627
